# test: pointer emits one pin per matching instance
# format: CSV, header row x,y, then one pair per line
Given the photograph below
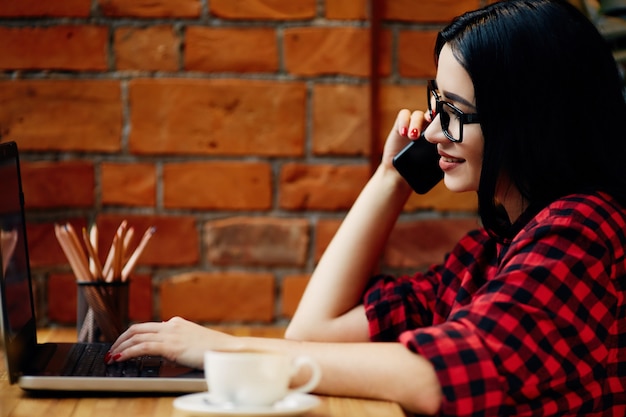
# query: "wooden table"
x,y
16,403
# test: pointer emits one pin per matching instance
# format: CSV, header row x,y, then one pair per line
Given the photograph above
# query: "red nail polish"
x,y
414,133
404,131
107,357
117,356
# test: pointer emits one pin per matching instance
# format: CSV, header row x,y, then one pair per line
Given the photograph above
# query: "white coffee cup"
x,y
255,378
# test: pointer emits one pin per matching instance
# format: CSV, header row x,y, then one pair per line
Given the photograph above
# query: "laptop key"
x,y
131,368
115,370
150,371
150,366
74,359
99,368
86,360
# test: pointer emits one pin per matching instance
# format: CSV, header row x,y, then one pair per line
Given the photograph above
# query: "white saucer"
x,y
291,405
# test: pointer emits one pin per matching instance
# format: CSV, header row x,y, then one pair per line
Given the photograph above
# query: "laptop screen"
x,y
18,321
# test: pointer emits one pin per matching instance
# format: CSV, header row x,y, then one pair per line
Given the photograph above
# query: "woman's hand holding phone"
x,y
417,162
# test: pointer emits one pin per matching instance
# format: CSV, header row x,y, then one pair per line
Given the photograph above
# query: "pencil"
x,y
93,240
108,263
127,240
81,272
128,268
118,241
95,267
77,247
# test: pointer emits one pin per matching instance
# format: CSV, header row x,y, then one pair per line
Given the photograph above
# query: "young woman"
x,y
526,316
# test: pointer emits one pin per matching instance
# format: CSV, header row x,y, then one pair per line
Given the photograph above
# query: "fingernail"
x,y
117,356
414,133
107,357
404,131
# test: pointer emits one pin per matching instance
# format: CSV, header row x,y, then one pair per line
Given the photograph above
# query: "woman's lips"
x,y
448,162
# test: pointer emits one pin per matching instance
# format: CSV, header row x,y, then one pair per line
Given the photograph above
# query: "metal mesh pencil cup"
x,y
102,310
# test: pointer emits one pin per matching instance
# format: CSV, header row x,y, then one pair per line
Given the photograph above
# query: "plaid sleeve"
x,y
396,304
537,334
536,339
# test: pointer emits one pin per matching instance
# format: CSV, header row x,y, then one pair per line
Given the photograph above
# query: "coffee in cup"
x,y
255,378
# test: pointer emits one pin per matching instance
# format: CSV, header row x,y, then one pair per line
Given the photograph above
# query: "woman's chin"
x,y
459,185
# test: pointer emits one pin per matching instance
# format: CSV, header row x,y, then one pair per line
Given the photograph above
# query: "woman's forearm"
x,y
385,371
339,279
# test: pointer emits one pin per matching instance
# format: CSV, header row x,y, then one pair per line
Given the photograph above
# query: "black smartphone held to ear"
x,y
418,163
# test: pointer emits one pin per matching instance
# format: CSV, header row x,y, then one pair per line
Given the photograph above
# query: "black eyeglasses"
x,y
451,117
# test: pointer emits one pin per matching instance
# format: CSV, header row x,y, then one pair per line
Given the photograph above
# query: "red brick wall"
x,y
240,129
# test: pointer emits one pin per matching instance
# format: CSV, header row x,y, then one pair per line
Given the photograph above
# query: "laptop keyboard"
x,y
87,359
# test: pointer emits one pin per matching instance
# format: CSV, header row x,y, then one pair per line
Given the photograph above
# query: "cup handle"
x,y
316,373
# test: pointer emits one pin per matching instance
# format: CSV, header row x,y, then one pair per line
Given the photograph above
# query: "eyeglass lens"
x,y
449,116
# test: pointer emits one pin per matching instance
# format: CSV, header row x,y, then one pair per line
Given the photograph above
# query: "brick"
x,y
263,9
324,233
61,298
175,242
257,241
219,297
311,51
347,10
130,184
65,47
438,11
231,49
420,62
154,48
62,295
392,99
140,307
52,8
43,248
218,185
151,8
61,115
422,243
385,53
293,287
320,187
50,185
341,115
174,116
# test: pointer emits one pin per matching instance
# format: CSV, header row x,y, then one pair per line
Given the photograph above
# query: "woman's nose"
x,y
433,132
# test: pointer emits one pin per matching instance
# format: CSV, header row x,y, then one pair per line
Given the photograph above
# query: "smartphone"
x,y
418,163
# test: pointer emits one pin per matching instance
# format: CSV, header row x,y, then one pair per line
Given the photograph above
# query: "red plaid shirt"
x,y
536,327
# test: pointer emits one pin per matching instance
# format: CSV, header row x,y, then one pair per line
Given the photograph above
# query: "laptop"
x,y
54,366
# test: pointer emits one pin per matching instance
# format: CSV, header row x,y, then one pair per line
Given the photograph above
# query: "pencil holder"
x,y
102,310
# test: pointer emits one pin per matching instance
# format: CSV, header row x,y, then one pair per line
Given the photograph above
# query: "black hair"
x,y
550,98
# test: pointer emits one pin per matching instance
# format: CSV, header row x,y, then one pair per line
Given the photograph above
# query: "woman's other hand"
x,y
177,340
